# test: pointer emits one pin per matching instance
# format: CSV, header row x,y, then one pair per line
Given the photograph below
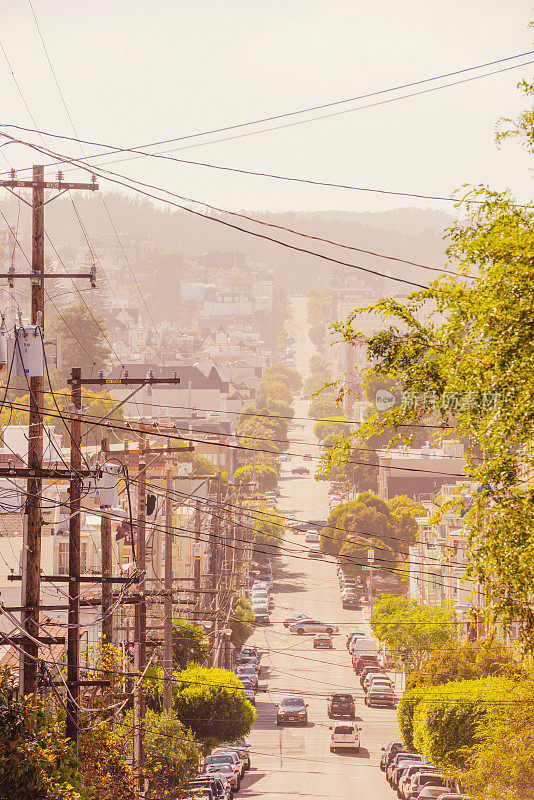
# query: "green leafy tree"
x,y
189,643
484,658
266,477
172,754
102,764
466,343
83,341
412,630
280,372
337,426
36,760
324,405
353,556
268,531
211,702
240,622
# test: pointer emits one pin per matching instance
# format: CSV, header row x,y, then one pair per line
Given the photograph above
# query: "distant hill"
x,y
413,234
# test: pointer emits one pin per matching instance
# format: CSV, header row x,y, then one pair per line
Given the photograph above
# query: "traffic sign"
x,y
370,568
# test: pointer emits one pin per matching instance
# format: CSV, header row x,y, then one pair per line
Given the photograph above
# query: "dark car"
x,y
380,696
292,709
389,753
300,471
341,704
359,662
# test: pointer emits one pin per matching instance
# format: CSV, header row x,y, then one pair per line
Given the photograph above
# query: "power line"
x,y
308,109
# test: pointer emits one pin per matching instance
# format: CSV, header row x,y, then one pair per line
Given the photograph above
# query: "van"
x,y
364,646
312,538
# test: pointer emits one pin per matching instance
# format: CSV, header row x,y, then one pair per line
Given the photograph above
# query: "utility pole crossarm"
x,y
39,183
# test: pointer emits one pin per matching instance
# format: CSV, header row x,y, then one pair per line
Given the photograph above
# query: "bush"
x,y
212,703
405,716
449,720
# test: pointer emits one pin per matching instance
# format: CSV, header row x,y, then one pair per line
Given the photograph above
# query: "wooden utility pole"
x,y
140,620
31,553
73,634
167,602
31,586
197,549
107,586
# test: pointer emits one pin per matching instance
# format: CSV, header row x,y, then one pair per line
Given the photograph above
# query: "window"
x,y
63,558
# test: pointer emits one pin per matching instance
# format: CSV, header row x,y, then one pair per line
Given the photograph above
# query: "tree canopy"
x,y
211,702
463,349
189,643
410,629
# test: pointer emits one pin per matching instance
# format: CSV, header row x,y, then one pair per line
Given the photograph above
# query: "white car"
x,y
345,735
312,626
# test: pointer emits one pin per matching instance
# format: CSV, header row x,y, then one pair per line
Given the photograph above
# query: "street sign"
x,y
370,568
370,556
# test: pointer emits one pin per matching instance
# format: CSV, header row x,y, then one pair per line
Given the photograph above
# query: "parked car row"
x,y
261,599
376,684
413,777
222,772
350,589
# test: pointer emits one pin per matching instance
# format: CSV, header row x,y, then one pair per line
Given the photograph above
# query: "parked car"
x,y
322,640
217,786
353,635
359,662
388,754
300,471
225,771
398,770
431,791
307,457
219,759
406,777
352,602
292,709
422,779
341,704
401,756
249,673
250,650
372,670
315,552
228,748
380,696
313,626
250,692
345,736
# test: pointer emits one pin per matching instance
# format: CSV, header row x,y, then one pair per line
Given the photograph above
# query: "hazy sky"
x,y
134,72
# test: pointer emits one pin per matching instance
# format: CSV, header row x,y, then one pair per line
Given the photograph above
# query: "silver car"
x,y
312,626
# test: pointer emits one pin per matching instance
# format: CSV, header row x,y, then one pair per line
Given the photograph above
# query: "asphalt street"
x,y
296,761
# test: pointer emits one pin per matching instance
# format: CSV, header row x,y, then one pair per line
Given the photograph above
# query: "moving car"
x,y
322,640
292,709
345,736
294,618
313,626
341,704
300,471
307,457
